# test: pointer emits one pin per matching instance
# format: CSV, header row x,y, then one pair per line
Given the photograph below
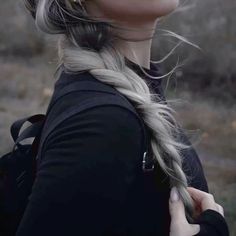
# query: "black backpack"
x,y
18,167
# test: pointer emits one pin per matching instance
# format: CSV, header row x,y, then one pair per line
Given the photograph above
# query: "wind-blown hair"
x,y
87,44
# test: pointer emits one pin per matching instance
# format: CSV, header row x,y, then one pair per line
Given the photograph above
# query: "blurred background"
x,y
205,82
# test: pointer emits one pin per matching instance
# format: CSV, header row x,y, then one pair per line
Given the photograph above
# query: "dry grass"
x,y
216,146
23,91
222,183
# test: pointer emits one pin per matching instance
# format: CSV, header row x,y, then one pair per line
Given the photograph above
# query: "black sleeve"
x,y
212,223
88,164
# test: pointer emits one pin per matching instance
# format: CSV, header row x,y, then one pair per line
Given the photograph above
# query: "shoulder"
x,y
76,89
104,121
106,128
78,93
92,116
104,142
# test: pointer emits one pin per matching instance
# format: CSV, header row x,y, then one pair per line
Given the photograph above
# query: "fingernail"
x,y
174,194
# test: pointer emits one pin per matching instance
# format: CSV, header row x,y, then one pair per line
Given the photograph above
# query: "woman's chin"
x,y
170,6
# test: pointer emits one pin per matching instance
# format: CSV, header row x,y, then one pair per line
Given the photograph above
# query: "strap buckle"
x,y
144,162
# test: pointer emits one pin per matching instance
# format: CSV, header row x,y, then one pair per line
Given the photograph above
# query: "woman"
x,y
89,179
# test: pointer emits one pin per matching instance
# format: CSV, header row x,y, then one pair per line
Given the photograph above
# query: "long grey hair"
x,y
86,43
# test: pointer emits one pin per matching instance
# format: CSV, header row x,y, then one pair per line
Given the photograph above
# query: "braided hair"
x,y
87,44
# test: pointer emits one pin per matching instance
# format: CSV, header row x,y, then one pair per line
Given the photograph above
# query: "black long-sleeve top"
x,y
89,180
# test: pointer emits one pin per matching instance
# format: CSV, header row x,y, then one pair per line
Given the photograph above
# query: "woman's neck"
x,y
138,52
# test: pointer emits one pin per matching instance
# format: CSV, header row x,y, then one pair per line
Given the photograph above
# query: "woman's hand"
x,y
179,224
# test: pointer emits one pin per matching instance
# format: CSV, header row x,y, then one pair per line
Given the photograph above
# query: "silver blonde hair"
x,y
87,44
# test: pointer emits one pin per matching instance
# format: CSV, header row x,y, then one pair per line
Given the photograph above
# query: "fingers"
x,y
220,209
205,200
179,225
198,195
176,207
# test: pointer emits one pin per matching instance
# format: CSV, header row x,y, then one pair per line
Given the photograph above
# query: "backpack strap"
x,y
31,131
80,86
113,97
17,125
